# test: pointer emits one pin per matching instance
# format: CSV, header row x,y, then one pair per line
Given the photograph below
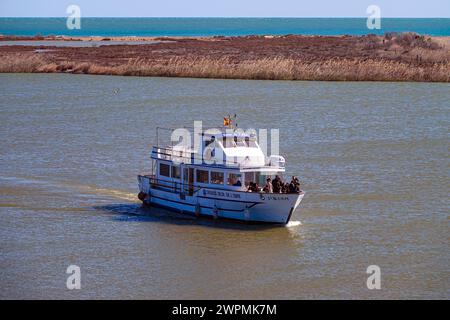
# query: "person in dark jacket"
x,y
286,187
292,187
276,184
296,184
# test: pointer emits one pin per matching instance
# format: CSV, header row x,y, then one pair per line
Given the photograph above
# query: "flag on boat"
x,y
226,121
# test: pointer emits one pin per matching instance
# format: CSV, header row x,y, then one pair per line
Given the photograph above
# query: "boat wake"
x,y
63,187
109,192
291,224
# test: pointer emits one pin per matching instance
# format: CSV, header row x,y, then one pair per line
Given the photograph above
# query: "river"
x,y
372,158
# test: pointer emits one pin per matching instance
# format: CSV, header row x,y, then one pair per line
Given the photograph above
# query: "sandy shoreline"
x,y
393,57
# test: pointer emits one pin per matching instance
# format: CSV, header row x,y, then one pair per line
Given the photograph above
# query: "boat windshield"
x,y
239,141
261,177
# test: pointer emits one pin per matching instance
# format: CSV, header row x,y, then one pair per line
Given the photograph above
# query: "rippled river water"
x,y
373,159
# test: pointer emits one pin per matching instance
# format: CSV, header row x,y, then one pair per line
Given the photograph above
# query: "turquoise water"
x,y
219,26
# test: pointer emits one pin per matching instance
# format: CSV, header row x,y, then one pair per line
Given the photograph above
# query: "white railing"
x,y
188,157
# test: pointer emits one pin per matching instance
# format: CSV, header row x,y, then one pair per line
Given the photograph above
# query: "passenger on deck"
x,y
292,187
285,188
238,183
276,184
253,187
268,188
297,187
296,184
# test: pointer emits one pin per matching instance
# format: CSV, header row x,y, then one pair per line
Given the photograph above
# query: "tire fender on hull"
x,y
143,196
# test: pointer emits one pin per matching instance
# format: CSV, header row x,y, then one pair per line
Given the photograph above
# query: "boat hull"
x,y
216,203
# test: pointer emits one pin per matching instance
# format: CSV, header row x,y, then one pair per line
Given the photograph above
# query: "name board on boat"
x,y
219,193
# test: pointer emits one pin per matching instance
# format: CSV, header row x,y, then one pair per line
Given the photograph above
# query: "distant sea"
x,y
219,26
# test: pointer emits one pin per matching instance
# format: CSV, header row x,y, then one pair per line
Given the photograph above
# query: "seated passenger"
x,y
238,183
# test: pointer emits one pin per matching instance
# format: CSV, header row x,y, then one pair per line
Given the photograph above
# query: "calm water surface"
x,y
372,157
220,26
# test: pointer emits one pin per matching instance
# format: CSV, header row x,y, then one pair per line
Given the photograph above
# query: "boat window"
x,y
164,170
232,142
240,142
228,143
261,177
176,172
217,177
249,177
234,179
202,176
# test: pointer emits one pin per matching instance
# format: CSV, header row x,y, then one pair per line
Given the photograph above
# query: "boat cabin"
x,y
223,161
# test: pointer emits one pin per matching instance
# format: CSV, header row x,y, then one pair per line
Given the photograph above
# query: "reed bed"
x,y
271,68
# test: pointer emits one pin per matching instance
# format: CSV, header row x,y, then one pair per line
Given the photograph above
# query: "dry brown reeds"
x,y
21,63
275,69
436,68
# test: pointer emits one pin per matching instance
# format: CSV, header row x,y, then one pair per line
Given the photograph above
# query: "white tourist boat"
x,y
196,182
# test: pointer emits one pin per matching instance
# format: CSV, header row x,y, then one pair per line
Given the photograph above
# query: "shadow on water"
x,y
137,212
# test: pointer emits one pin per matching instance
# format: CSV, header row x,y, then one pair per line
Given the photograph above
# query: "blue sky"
x,y
225,8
